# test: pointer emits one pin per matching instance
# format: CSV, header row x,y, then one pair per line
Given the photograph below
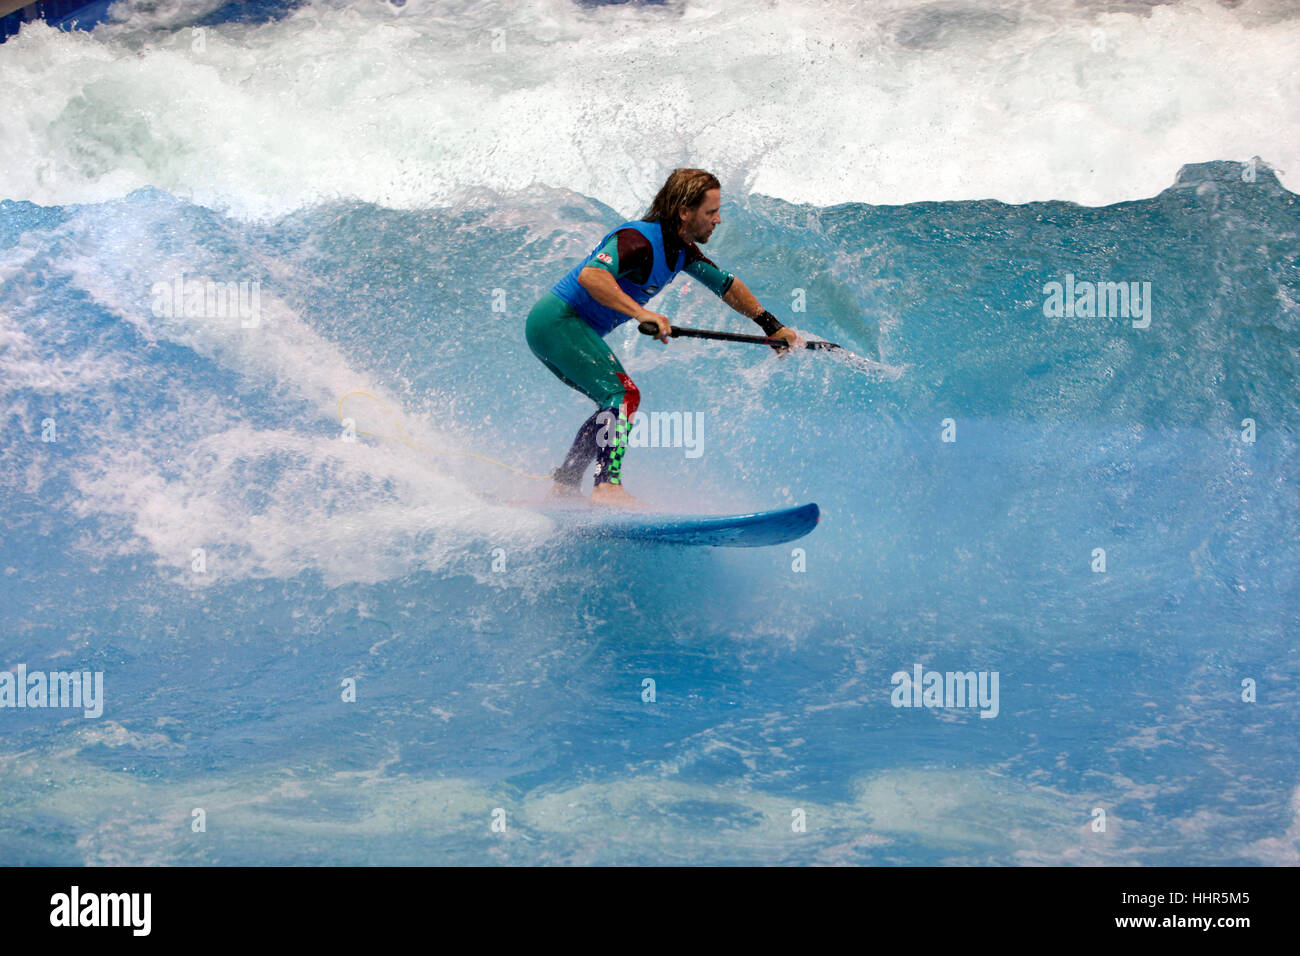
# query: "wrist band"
x,y
769,323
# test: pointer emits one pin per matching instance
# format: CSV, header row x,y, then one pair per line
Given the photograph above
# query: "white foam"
x,y
1281,850
968,815
818,102
197,471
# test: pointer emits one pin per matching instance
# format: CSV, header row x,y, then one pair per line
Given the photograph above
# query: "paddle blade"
x,y
849,359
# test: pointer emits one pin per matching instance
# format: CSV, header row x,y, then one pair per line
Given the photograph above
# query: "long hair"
x,y
684,187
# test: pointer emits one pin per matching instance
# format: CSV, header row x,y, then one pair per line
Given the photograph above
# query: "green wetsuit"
x,y
572,350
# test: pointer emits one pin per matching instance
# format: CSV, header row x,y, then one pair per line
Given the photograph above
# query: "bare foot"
x,y
613,496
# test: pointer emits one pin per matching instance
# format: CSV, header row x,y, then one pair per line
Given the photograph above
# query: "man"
x,y
630,265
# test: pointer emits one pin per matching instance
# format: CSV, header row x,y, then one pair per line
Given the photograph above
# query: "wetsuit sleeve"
x,y
606,257
709,275
625,255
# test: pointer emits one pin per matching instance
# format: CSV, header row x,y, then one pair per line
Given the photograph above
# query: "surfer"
x,y
634,262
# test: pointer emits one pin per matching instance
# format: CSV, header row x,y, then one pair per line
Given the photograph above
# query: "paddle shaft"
x,y
649,328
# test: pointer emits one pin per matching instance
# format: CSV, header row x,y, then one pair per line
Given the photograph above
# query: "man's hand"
x,y
645,315
792,339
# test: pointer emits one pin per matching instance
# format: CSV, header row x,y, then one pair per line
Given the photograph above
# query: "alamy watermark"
x,y
75,908
1086,300
922,688
76,689
658,430
209,299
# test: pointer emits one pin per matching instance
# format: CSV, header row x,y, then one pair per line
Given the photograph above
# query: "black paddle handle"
x,y
651,328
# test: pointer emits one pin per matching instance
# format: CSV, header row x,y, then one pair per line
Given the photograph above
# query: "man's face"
x,y
698,223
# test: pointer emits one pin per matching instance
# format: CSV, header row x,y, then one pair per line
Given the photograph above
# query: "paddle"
x,y
838,352
649,328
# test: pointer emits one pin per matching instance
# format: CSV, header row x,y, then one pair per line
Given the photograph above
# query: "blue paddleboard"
x,y
719,531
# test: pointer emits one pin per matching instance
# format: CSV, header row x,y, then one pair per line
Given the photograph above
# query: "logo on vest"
x,y
605,257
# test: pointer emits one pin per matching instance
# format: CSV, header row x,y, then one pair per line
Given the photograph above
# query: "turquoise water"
x,y
500,668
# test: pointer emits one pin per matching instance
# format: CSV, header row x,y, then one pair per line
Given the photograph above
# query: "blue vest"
x,y
604,320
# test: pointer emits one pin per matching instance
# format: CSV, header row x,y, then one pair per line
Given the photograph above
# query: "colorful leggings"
x,y
579,357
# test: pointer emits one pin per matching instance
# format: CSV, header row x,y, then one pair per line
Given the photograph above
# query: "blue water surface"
x,y
501,669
